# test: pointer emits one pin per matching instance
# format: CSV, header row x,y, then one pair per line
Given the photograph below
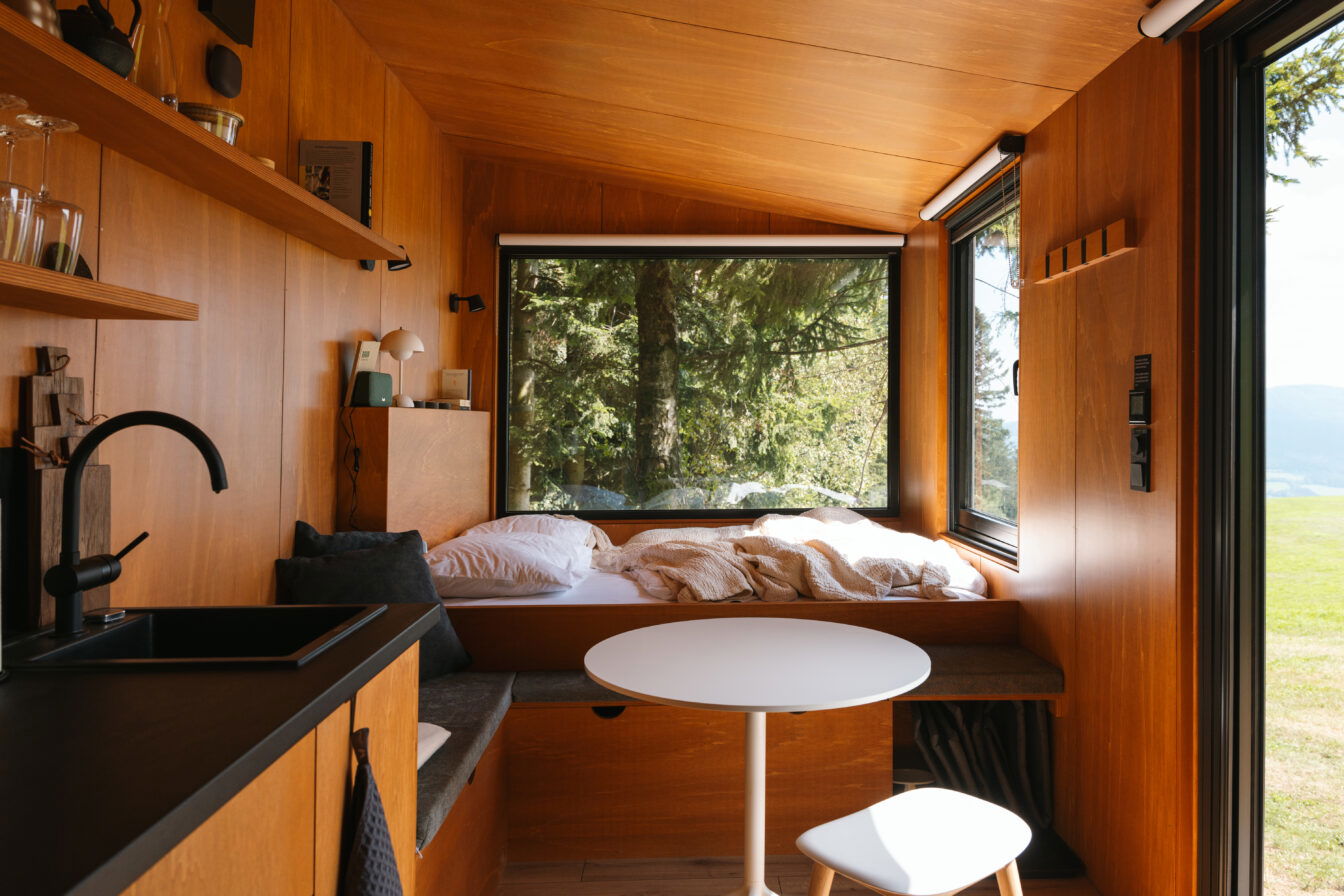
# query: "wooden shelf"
x,y
57,79
41,290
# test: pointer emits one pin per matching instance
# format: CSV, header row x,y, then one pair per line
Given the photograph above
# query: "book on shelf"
x,y
454,404
340,172
455,384
366,359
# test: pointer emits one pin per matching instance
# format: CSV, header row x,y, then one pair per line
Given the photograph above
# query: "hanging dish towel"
x,y
369,864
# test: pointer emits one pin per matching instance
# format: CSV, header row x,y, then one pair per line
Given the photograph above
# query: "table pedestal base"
x,y
753,890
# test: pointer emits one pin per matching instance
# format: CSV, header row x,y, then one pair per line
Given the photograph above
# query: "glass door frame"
x,y
1234,51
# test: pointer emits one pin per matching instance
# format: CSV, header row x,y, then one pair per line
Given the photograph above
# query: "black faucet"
x,y
68,580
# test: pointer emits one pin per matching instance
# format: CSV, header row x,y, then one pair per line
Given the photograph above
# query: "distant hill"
x,y
1304,439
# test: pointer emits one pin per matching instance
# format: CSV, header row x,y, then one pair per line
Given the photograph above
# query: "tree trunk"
x,y
656,388
522,395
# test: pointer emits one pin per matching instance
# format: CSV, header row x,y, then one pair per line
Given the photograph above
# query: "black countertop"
x,y
102,773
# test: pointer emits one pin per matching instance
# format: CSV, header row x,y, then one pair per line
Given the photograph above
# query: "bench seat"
x,y
960,672
563,686
987,671
471,705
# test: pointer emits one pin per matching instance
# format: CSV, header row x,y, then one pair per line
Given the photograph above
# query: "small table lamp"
x,y
401,344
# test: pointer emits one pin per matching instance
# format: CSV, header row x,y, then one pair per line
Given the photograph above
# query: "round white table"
x,y
757,665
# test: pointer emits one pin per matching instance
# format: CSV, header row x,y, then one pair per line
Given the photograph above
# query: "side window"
x,y
984,359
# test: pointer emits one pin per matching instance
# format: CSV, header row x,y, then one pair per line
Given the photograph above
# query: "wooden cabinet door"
x,y
261,841
389,707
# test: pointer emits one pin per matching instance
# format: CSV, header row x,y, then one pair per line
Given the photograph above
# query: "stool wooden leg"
x,y
822,877
1009,883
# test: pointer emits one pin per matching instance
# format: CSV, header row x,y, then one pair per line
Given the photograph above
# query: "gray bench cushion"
x,y
568,686
471,705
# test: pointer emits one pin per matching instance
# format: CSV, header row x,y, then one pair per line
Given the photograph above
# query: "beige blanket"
x,y
832,555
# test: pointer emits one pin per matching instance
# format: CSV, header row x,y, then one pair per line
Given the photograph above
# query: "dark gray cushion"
x,y
568,686
471,705
394,573
308,542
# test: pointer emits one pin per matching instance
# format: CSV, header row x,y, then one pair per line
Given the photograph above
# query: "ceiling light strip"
x,y
1169,19
1009,147
692,241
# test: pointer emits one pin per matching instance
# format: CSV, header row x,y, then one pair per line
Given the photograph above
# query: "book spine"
x,y
366,197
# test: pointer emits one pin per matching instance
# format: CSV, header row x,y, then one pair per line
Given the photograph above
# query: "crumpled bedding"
x,y
828,554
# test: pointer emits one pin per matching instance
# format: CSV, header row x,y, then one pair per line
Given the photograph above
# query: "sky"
x,y
1304,335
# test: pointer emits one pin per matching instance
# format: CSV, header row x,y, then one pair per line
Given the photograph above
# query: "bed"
x,y
599,589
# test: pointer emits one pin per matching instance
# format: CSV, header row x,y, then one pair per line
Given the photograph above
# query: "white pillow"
x,y
576,531
503,565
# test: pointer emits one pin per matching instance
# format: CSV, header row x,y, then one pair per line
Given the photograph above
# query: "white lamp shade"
x,y
401,344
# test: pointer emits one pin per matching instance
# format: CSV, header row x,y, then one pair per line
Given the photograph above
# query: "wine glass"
x,y
16,200
54,243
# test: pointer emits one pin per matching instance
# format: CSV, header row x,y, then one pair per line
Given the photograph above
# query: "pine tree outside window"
x,y
986,271
696,383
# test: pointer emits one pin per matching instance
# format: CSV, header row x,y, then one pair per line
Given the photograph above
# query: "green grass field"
x,y
1304,720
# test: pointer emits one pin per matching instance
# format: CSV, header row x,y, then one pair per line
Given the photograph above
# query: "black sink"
x,y
194,636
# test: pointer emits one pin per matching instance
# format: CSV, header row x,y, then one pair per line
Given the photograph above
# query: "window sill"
x,y
982,548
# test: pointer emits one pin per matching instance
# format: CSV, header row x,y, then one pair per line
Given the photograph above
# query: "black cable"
x,y
350,460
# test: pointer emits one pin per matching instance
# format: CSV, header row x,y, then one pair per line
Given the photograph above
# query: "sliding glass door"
x,y
1273,460
1304,470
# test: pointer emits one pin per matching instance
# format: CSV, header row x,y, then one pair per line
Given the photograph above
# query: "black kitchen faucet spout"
x,y
68,580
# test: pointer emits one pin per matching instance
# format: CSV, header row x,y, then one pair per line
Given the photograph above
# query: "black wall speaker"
x,y
224,71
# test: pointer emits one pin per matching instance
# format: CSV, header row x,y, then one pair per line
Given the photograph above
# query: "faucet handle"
x,y
135,543
89,573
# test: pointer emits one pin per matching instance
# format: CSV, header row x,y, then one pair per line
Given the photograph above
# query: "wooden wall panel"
x,y
1046,432
1046,407
499,199
451,260
220,373
923,386
1134,675
412,298
621,172
331,303
664,781
627,210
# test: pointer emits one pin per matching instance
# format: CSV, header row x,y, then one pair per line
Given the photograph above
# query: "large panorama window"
x,y
986,270
696,382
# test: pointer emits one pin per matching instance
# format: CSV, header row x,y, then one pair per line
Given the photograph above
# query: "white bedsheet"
x,y
599,588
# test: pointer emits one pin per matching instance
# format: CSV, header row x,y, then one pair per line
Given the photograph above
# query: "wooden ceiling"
x,y
853,111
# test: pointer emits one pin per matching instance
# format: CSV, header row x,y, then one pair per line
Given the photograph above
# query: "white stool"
x,y
926,842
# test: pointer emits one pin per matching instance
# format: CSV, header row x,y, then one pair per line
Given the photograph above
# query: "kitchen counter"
x,y
103,772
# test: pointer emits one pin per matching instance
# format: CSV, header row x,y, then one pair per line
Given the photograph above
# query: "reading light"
x,y
474,303
1009,147
1168,19
401,344
399,264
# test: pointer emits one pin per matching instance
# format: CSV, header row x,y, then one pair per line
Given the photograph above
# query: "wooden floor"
x,y
786,875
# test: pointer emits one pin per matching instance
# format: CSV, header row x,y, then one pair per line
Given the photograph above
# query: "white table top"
x,y
758,664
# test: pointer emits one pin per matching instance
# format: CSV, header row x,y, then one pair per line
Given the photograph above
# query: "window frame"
x,y
507,254
1234,52
980,530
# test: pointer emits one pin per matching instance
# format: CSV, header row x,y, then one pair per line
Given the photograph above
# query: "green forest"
x,y
694,383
